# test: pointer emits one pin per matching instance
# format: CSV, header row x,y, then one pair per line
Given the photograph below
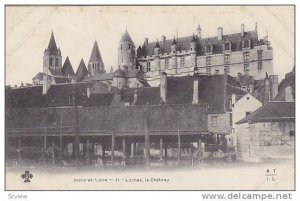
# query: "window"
x,y
259,54
148,66
230,119
121,47
214,121
226,58
208,48
216,72
208,70
51,61
182,61
128,46
226,69
208,61
166,63
247,113
259,65
246,67
56,62
246,56
227,46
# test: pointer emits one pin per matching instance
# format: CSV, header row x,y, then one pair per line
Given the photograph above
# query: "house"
x,y
269,133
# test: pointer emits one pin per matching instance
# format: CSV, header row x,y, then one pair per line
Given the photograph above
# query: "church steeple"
x,y
52,59
81,71
96,65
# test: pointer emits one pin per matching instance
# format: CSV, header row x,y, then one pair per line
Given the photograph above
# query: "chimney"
x,y
88,92
196,90
242,29
46,84
220,33
274,86
163,86
135,95
266,90
163,39
146,41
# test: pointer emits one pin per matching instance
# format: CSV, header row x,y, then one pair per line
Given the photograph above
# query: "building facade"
x,y
231,54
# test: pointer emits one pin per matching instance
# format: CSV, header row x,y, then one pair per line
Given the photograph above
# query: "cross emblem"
x,y
26,176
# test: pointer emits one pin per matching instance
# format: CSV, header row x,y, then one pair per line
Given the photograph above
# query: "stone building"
x,y
269,133
231,54
127,75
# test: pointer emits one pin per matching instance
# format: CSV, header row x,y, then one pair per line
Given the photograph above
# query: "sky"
x,y
28,30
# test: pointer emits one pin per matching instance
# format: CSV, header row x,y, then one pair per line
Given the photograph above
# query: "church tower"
x,y
126,58
96,65
52,57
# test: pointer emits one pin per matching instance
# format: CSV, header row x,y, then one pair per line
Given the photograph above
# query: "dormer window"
x,y
227,46
246,43
208,48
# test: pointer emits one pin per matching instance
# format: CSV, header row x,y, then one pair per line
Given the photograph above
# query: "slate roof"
x,y
67,68
52,48
271,112
126,38
184,43
25,97
56,72
95,54
81,71
39,76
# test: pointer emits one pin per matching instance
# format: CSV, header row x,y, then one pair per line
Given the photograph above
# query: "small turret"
x,y
157,48
193,44
174,46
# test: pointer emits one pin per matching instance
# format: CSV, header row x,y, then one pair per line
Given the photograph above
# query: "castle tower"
x,y
96,65
126,58
193,46
52,57
174,47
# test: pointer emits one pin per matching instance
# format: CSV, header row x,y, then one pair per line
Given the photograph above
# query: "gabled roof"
x,y
25,97
271,112
95,55
126,38
67,68
184,43
119,73
56,72
81,71
39,76
52,48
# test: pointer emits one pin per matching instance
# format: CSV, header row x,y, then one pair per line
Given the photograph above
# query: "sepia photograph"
x,y
160,97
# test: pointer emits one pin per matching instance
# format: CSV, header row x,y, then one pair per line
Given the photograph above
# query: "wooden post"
x,y
132,150
19,150
103,153
161,149
45,139
200,151
124,151
93,147
112,149
61,147
166,154
147,144
53,153
87,150
179,142
76,130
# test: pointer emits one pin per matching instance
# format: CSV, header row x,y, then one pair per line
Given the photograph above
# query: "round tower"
x,y
193,48
156,56
126,52
174,47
